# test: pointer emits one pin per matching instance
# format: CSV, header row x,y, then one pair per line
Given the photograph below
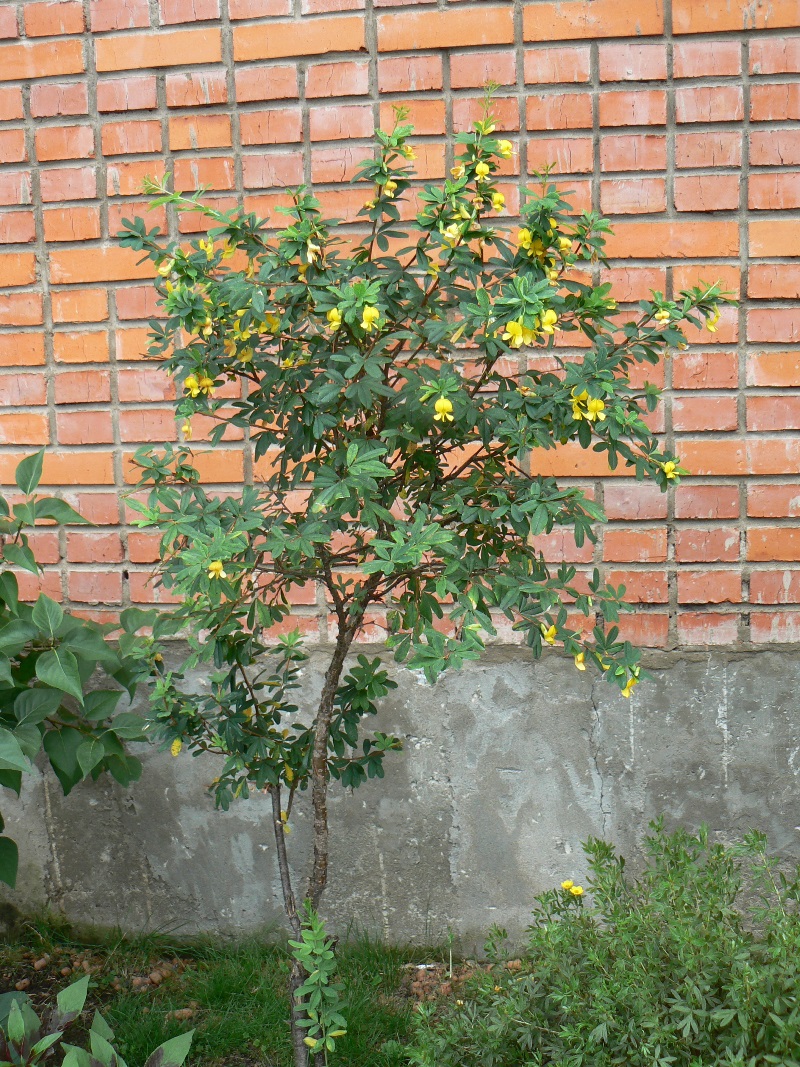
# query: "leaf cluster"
x,y
320,995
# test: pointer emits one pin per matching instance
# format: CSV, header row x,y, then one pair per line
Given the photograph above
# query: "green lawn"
x,y
233,994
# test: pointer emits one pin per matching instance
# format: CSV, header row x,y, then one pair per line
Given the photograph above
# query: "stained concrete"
x,y
508,766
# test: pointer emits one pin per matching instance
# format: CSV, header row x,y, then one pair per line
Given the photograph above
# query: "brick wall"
x,y
679,119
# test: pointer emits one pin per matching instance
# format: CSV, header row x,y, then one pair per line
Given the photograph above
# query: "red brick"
x,y
774,147
145,385
571,155
8,23
126,178
774,324
118,15
258,9
428,117
173,11
269,172
337,79
773,501
717,545
216,172
635,546
165,48
64,142
552,65
641,587
409,74
24,428
633,62
708,16
74,224
95,587
633,151
10,103
126,94
20,309
52,98
82,387
631,283
632,196
147,424
79,305
126,137
773,455
21,349
277,40
137,302
196,88
54,19
75,265
709,103
340,122
724,149
775,587
474,69
84,428
17,268
279,126
691,413
40,59
706,501
776,281
12,146
567,20
17,227
68,183
774,192
199,131
468,110
22,390
559,111
775,238
709,587
143,547
707,628
645,629
707,59
707,192
775,103
777,412
778,543
775,55
713,457
93,547
415,30
266,83
677,240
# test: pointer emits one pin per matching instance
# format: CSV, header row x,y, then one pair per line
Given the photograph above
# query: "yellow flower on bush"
x,y
568,884
334,318
632,681
482,171
524,239
444,410
498,201
576,890
458,171
662,316
390,188
549,634
578,404
549,321
272,322
229,249
451,233
580,661
369,318
670,469
712,320
216,569
518,334
409,152
505,149
595,410
186,430
207,247
565,244
166,267
175,747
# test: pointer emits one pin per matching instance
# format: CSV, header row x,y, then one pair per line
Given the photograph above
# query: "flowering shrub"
x,y
694,962
397,388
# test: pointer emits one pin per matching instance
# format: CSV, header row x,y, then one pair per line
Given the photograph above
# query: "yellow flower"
x,y
301,270
369,318
191,385
451,233
626,692
186,430
549,634
409,152
565,243
272,322
595,409
578,404
390,188
285,822
568,884
313,251
444,410
498,201
712,320
458,172
245,356
207,247
229,345
662,316
505,148
216,569
207,327
166,267
524,238
369,204
576,890
482,171
334,318
229,249
552,274
580,661
669,469
206,385
176,747
517,335
549,321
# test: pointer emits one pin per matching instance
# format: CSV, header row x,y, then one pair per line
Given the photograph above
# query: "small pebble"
x,y
156,977
23,983
66,971
40,965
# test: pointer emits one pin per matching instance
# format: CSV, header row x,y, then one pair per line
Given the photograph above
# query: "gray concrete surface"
x,y
508,766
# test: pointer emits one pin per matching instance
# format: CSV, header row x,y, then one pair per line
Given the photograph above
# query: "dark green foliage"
x,y
693,964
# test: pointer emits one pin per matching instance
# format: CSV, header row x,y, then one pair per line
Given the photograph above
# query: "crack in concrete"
x,y
594,751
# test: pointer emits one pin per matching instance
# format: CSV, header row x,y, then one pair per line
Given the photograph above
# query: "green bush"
x,y
693,963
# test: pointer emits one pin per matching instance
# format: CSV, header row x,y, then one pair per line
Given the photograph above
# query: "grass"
x,y
235,992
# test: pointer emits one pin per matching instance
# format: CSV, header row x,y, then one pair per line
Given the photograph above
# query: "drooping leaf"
x,y
58,667
50,507
89,754
12,758
9,861
29,472
62,747
47,615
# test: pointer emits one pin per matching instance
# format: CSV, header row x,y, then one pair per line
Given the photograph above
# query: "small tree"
x,y
394,388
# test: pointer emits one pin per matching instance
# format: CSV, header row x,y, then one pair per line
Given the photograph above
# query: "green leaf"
x,y
15,635
12,758
88,643
35,705
75,1057
45,1043
9,590
47,615
70,1001
29,472
101,704
128,726
11,780
5,670
20,556
58,668
30,739
62,747
15,1027
101,1027
50,507
89,754
7,999
9,861
172,1053
133,619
